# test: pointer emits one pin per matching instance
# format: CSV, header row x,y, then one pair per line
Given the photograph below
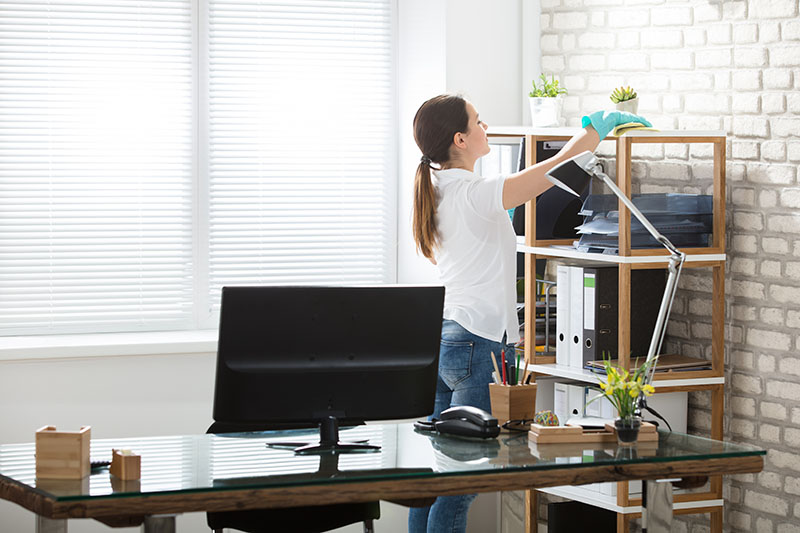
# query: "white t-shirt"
x,y
476,254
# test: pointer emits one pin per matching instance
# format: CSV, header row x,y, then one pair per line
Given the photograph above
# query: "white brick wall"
x,y
732,65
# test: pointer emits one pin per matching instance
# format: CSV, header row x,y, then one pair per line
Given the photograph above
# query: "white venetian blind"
x,y
96,133
301,143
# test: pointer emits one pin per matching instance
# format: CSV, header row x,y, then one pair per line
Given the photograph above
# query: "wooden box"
x,y
577,434
512,402
125,464
63,454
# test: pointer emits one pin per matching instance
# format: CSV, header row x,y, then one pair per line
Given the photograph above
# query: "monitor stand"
x,y
328,442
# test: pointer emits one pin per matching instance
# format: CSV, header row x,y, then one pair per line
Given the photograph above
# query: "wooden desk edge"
x,y
391,490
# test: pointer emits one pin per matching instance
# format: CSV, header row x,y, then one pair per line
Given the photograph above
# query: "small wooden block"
x,y
63,454
125,464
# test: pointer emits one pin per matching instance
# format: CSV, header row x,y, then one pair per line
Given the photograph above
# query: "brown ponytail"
x,y
435,124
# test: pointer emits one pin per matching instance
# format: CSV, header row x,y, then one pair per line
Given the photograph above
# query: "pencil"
x,y
517,374
503,357
497,370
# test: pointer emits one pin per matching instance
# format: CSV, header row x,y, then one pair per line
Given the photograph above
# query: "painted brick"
x,y
743,197
661,39
774,103
747,289
549,43
764,525
766,503
769,32
748,221
739,520
552,63
770,174
768,198
734,10
773,8
749,57
694,36
672,16
743,406
770,480
772,316
704,12
784,223
790,365
775,245
745,244
592,40
675,60
790,30
568,42
692,81
747,80
784,56
784,294
777,78
745,33
599,19
784,389
587,62
747,150
774,151
793,318
788,528
746,103
720,34
792,270
770,340
772,410
790,197
786,127
750,127
570,21
743,360
770,269
743,312
629,18
625,61
721,57
746,384
766,363
544,22
743,428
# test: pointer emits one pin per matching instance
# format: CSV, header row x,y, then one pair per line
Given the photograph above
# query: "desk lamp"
x,y
574,176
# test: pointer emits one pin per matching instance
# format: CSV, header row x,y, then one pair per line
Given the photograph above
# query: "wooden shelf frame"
x,y
627,260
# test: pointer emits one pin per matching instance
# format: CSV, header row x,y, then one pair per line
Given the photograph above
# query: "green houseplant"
x,y
625,99
623,388
545,101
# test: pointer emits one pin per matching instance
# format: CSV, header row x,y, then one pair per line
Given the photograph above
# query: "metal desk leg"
x,y
657,506
48,525
159,524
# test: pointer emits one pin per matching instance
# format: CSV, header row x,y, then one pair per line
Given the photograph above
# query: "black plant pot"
x,y
627,430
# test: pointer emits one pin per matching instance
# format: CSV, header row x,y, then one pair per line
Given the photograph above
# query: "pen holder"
x,y
125,464
512,402
62,454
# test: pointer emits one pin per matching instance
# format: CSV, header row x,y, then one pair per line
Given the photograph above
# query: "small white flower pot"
x,y
545,112
631,106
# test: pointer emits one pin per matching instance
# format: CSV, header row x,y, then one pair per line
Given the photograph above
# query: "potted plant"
x,y
623,388
545,101
626,99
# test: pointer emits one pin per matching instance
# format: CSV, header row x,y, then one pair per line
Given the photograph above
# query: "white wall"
x,y
134,395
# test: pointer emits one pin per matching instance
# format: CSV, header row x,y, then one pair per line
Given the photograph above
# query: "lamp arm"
x,y
676,261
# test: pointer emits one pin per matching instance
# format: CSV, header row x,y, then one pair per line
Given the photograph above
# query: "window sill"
x,y
27,348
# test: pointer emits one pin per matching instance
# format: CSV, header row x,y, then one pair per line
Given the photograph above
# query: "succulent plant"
x,y
622,94
548,88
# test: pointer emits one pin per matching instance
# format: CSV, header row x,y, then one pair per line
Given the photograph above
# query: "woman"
x,y
461,224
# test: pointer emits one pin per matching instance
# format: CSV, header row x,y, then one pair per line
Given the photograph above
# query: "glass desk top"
x,y
197,463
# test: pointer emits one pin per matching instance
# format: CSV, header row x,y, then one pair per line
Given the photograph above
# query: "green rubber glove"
x,y
605,121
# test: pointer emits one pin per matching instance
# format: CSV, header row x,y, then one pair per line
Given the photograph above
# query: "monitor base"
x,y
328,442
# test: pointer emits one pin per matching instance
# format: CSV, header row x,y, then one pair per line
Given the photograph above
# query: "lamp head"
x,y
574,174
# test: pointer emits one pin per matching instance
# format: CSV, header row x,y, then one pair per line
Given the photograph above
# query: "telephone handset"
x,y
467,421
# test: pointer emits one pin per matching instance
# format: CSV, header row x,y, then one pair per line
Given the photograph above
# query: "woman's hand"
x,y
605,121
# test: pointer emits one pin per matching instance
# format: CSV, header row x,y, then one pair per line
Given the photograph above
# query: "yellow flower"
x,y
649,390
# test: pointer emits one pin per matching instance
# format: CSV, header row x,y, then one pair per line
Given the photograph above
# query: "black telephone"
x,y
467,421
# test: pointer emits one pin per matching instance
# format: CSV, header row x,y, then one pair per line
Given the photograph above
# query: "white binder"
x,y
563,284
576,317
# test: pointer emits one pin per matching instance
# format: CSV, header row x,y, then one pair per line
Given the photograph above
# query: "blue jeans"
x,y
465,371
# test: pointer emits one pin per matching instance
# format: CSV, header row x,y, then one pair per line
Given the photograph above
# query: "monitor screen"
x,y
310,353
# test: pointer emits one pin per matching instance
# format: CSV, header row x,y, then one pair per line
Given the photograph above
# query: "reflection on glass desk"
x,y
188,473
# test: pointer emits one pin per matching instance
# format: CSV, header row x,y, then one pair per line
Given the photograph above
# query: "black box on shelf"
x,y
569,517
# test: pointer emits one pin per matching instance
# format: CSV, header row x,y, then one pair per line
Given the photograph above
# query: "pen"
x,y
494,362
516,372
503,357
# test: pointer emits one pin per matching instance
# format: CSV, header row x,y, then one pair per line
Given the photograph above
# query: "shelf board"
x,y
571,253
606,501
694,135
666,379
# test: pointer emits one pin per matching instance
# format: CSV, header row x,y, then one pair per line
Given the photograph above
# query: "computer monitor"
x,y
325,355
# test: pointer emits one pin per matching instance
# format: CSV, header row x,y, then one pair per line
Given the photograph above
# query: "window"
x,y
153,152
